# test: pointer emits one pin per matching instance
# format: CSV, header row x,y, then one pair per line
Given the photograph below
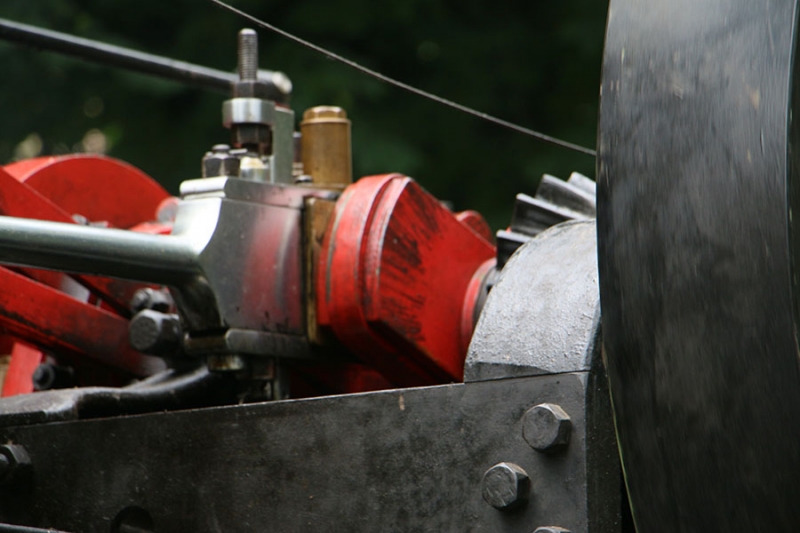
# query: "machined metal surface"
x,y
279,195
91,250
410,460
281,162
697,159
248,111
543,314
231,264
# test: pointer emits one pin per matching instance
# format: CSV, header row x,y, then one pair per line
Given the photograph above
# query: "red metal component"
x,y
51,319
19,200
32,307
474,221
24,360
96,187
396,278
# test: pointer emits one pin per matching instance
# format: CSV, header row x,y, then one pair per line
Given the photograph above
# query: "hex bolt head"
x,y
505,486
551,529
14,462
155,333
547,428
220,162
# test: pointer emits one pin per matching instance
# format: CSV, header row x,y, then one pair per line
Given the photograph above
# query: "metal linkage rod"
x,y
280,87
116,253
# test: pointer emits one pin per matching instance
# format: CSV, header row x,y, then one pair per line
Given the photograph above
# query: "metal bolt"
x,y
248,55
155,333
153,299
547,428
14,461
551,529
220,162
505,486
48,376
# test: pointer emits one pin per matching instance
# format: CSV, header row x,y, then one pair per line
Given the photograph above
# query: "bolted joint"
x,y
153,299
547,428
220,162
155,333
14,463
505,486
256,137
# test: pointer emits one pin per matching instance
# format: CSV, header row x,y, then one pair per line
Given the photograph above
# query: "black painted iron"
x,y
107,54
404,460
694,258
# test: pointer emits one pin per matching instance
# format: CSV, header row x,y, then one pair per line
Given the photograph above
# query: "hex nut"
x,y
547,428
505,486
14,462
551,529
220,162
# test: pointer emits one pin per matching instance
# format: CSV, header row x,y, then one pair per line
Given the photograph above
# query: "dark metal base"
x,y
403,460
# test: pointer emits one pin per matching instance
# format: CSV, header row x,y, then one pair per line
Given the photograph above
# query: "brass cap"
x,y
324,113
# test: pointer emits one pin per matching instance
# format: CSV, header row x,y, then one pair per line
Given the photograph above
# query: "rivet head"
x,y
505,486
547,428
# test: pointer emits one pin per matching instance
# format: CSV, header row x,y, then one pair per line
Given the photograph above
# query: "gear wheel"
x,y
556,201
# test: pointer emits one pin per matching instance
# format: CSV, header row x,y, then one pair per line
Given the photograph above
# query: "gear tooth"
x,y
532,216
583,182
556,201
568,195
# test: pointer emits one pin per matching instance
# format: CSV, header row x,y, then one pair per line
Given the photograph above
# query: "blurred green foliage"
x,y
535,63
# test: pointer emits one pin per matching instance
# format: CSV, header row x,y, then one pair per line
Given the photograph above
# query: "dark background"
x,y
536,63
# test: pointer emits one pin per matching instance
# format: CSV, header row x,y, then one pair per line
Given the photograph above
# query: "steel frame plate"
x,y
402,460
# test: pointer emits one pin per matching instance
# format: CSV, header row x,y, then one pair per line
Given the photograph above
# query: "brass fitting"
x,y
325,145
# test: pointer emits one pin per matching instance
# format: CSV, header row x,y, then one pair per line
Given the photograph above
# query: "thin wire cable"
x,y
449,103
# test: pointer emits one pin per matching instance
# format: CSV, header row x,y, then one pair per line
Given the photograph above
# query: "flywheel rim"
x,y
694,146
